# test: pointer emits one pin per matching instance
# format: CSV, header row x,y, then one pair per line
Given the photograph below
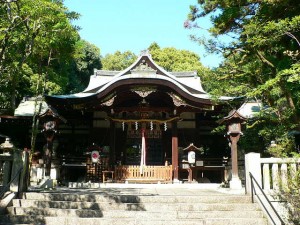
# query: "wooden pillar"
x,y
235,182
50,129
48,154
234,155
112,144
190,177
175,150
234,122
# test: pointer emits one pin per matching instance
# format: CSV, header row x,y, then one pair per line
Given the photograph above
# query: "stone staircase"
x,y
133,206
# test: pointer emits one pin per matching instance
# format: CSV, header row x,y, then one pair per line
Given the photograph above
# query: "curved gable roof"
x,y
145,71
144,67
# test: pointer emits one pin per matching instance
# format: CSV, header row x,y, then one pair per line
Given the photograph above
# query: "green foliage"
x,y
282,147
118,61
86,58
172,59
153,46
259,41
264,128
41,52
36,41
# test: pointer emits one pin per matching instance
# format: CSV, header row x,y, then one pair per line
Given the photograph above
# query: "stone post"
x,y
266,177
253,165
275,176
17,165
24,176
6,168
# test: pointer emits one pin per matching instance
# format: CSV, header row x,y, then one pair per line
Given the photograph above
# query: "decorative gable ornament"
x,y
109,102
177,100
143,94
143,69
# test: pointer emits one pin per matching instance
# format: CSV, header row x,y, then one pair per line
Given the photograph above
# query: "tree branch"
x,y
264,60
293,36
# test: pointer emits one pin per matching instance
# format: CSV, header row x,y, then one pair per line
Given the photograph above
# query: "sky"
x,y
131,25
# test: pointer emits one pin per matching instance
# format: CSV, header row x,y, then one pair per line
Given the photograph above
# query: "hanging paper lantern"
x,y
95,156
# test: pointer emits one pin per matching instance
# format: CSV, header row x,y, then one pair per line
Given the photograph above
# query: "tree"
x,y
172,59
118,61
261,58
86,59
36,41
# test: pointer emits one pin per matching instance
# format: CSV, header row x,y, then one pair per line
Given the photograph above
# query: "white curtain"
x,y
143,152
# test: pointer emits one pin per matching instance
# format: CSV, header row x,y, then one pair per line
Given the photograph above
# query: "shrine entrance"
x,y
154,153
143,147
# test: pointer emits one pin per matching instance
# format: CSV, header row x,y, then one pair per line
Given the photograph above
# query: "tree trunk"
x,y
291,104
13,93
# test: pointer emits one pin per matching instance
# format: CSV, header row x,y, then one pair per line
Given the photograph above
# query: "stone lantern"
x,y
233,123
7,146
50,120
11,164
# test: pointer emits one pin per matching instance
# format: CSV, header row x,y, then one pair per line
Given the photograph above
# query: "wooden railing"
x,y
148,174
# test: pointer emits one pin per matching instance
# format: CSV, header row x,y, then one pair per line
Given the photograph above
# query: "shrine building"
x,y
137,125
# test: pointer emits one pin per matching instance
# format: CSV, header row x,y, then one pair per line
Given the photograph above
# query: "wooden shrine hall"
x,y
133,125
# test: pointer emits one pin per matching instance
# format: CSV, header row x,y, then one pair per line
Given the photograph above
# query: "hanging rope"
x,y
144,120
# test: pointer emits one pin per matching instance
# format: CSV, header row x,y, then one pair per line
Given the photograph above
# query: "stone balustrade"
x,y
270,173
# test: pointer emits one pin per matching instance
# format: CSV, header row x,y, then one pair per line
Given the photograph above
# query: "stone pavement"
x,y
148,189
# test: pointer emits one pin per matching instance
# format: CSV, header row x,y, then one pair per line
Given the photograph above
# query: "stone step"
x,y
104,206
137,198
136,206
97,221
158,214
54,212
40,220
20,219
